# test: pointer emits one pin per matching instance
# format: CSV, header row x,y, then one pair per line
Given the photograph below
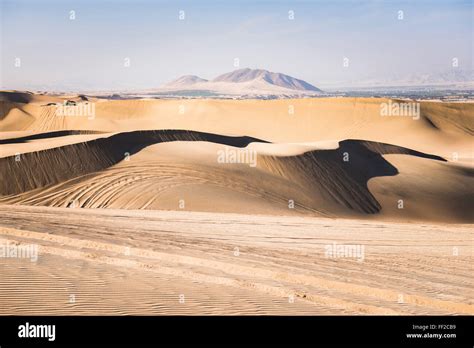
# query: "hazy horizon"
x,y
118,45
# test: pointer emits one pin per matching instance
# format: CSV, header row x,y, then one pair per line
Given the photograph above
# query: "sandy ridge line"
x,y
300,279
236,283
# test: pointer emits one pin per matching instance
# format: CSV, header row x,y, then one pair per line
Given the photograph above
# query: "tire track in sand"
x,y
234,270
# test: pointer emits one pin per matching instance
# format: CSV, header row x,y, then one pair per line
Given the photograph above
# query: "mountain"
x,y
277,79
454,76
184,81
449,79
243,82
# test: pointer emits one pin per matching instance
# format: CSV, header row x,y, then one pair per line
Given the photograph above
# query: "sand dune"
x,y
146,183
309,163
126,171
33,169
443,128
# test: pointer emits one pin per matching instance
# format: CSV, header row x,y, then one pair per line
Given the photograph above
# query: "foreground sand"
x,y
141,262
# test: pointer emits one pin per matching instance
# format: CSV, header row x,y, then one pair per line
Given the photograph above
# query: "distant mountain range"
x,y
455,78
244,82
185,81
262,83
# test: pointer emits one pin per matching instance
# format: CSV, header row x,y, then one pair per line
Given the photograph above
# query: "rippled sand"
x,y
144,262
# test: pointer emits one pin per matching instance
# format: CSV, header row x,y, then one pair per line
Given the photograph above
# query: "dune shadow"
x,y
46,167
341,175
47,135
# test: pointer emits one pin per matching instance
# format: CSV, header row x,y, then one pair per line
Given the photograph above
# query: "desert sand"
x,y
133,206
142,262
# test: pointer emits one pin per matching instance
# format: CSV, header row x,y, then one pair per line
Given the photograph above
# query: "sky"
x,y
126,45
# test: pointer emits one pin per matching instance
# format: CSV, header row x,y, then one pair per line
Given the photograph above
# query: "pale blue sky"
x,y
89,52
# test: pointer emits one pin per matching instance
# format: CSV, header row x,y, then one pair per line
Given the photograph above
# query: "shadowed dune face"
x,y
341,174
38,169
16,97
48,135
